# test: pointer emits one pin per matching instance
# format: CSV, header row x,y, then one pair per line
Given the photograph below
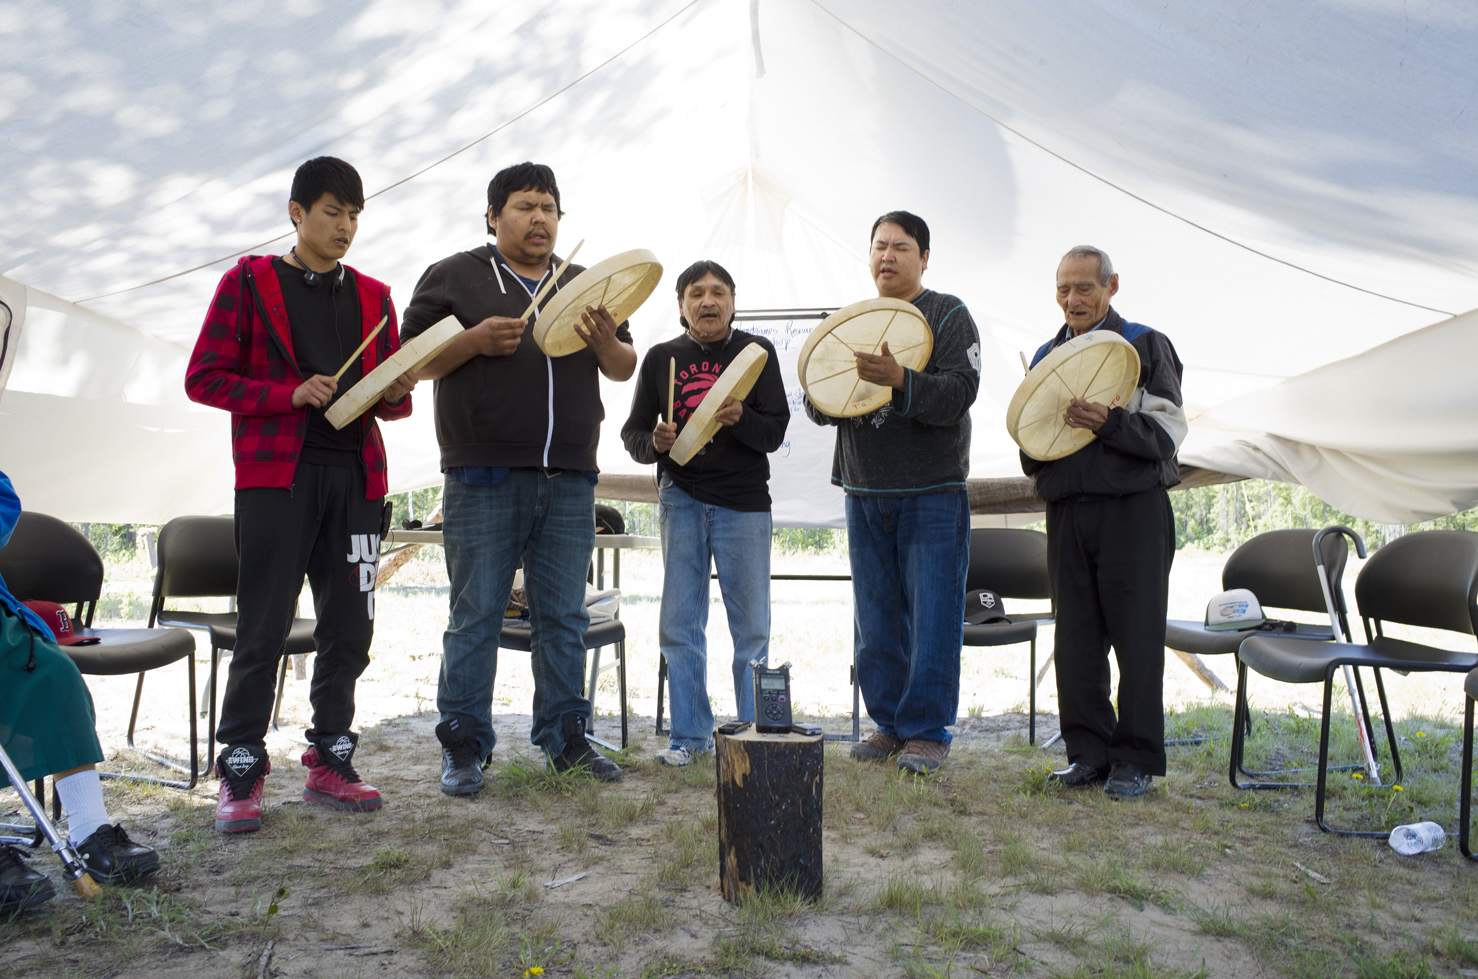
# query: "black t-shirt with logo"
x,y
326,329
733,470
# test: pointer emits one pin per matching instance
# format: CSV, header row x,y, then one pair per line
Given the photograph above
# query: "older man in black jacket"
x,y
1110,541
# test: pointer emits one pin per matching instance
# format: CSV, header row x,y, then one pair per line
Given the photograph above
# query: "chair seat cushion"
x,y
130,650
1189,636
1000,633
222,629
1470,686
1300,661
520,635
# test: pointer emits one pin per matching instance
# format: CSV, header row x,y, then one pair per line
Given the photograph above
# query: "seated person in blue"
x,y
47,728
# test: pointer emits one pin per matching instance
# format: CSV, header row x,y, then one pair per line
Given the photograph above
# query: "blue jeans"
x,y
738,544
549,522
909,555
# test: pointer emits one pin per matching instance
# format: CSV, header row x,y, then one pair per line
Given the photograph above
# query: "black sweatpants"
x,y
323,527
1109,563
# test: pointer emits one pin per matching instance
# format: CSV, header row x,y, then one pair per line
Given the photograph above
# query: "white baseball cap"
x,y
1234,610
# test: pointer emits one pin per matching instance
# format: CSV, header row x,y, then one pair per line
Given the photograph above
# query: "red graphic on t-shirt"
x,y
693,383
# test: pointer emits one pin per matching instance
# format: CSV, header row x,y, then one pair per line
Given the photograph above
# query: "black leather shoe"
x,y
579,756
1078,775
20,886
461,756
1125,781
112,858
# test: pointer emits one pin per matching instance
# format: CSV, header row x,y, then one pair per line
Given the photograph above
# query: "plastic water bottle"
x,y
1418,838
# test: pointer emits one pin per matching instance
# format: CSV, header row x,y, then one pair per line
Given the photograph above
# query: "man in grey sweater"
x,y
903,468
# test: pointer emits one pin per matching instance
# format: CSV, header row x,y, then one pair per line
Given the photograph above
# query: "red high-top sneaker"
x,y
243,770
331,777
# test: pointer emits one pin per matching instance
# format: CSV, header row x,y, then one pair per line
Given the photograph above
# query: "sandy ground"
x,y
398,892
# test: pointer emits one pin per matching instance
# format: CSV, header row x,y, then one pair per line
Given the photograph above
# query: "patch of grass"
x,y
574,834
766,905
614,809
904,892
1456,946
481,937
687,852
969,855
635,914
1219,921
524,776
1179,857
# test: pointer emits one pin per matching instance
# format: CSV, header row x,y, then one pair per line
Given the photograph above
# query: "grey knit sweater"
x,y
919,442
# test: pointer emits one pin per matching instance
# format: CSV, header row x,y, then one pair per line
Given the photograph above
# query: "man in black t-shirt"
x,y
309,497
714,509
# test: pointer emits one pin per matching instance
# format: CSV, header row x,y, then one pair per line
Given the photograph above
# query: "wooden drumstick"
x,y
1024,365
550,284
671,386
360,349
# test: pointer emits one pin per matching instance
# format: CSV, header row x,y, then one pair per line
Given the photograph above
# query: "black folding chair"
x,y
1429,580
1278,567
1013,564
197,559
49,560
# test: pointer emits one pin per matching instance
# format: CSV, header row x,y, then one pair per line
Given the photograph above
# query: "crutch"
x,y
1367,749
82,881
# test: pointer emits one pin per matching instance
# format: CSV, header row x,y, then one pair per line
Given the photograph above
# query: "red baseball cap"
x,y
60,623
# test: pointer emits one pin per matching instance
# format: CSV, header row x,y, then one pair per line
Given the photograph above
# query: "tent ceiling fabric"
x,y
1282,187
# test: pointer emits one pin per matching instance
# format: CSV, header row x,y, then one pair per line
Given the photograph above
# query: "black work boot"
x,y
112,858
579,756
20,886
461,756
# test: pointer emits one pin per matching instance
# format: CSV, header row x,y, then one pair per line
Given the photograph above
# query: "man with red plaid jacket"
x,y
309,497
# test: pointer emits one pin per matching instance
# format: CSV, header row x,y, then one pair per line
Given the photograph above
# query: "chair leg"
x,y
621,683
210,686
281,689
1322,787
661,688
194,767
1031,697
1465,786
1385,711
594,676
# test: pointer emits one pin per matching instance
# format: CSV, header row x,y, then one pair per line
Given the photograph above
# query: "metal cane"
x,y
1366,748
82,881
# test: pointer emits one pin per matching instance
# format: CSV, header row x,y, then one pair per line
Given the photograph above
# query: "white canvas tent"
x,y
1282,187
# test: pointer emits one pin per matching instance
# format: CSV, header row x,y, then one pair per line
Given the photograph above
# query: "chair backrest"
x,y
49,560
1278,567
1012,563
609,519
1427,579
197,558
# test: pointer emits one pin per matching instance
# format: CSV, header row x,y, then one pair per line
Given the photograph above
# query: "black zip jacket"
x,y
520,410
1135,449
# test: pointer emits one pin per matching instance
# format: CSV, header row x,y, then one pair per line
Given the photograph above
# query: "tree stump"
x,y
769,813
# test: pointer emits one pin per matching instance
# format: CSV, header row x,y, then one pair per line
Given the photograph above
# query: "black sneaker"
x,y
578,755
1125,781
112,858
461,756
1078,775
20,886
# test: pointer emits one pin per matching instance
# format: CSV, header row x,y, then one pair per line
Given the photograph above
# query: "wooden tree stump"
x,y
769,813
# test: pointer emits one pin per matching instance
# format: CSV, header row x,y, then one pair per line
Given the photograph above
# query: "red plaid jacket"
x,y
243,363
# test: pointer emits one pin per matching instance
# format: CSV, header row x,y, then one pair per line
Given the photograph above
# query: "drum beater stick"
x,y
82,881
550,284
671,386
360,349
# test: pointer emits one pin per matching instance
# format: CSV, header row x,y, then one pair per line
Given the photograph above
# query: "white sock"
x,y
82,801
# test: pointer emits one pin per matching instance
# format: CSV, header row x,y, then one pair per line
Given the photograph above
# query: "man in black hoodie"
x,y
518,433
1110,541
715,509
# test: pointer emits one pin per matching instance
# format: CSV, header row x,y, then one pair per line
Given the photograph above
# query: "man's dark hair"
x,y
521,176
912,225
697,271
327,175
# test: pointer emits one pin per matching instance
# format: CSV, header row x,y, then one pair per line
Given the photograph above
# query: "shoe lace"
x,y
243,788
10,858
464,753
343,768
110,836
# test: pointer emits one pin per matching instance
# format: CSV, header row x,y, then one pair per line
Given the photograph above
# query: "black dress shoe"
x,y
112,858
1078,775
20,886
1125,781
